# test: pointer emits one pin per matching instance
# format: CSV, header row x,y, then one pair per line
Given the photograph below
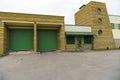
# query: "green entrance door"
x,y
47,40
21,39
79,42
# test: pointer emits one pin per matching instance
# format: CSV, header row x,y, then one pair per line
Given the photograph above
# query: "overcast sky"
x,y
65,8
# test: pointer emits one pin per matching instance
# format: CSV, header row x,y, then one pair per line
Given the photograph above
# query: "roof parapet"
x,y
82,6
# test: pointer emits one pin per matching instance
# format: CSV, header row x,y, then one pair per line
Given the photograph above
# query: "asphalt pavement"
x,y
91,65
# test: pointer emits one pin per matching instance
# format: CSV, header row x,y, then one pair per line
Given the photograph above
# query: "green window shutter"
x,y
87,39
112,25
70,40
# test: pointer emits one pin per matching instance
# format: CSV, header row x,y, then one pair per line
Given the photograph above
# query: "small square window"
x,y
112,25
87,39
70,40
118,26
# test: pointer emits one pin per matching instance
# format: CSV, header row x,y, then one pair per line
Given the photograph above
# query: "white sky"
x,y
65,8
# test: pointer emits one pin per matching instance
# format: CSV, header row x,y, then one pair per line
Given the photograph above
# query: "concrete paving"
x,y
92,65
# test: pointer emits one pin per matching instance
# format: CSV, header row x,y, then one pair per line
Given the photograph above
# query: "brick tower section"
x,y
95,15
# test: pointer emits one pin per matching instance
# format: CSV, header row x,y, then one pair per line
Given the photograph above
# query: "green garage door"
x,y
21,39
47,40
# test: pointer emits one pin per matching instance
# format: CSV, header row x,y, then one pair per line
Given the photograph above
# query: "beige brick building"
x,y
31,32
95,14
24,32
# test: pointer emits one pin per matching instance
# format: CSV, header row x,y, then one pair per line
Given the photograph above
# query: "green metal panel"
x,y
47,40
21,39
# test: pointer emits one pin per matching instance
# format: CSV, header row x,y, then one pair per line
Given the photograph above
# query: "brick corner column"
x,y
1,37
35,37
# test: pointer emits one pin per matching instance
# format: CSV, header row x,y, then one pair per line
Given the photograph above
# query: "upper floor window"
x,y
118,26
112,25
100,32
99,21
98,10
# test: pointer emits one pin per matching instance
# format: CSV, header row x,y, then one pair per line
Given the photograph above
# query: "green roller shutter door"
x,y
21,39
47,40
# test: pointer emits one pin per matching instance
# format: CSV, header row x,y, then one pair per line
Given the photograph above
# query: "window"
x,y
98,10
70,40
99,20
99,32
112,25
118,26
87,39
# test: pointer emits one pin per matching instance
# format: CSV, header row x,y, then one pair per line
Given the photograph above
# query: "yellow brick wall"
x,y
82,17
71,47
32,17
61,38
87,46
6,39
88,16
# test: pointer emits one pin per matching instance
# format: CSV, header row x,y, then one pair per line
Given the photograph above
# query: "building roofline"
x,y
114,15
97,2
30,14
75,25
84,5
